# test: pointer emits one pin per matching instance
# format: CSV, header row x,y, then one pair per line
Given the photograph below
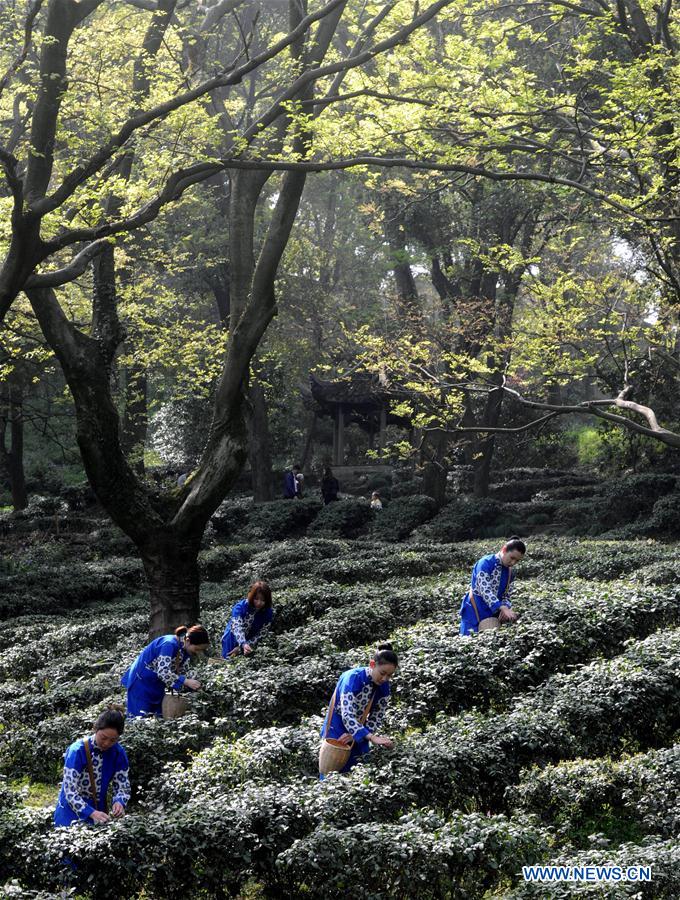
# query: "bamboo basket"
x,y
490,624
333,755
218,661
174,706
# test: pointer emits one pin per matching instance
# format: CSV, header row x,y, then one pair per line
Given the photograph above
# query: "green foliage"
x,y
280,520
628,498
230,791
623,800
346,518
423,855
217,563
462,519
401,516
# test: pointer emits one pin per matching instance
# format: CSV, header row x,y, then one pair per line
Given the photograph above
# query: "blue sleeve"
x,y
265,622
482,583
120,781
75,762
352,707
163,667
238,614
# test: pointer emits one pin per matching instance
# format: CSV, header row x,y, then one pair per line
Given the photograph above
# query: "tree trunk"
x,y
486,447
136,416
259,451
171,567
435,469
407,292
309,442
13,457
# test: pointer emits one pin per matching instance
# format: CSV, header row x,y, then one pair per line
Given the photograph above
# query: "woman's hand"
x,y
192,684
506,615
117,811
247,649
345,738
235,652
100,817
381,741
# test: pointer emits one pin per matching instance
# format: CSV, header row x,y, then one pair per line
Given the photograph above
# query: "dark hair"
x,y
328,472
197,634
111,718
262,588
385,654
515,543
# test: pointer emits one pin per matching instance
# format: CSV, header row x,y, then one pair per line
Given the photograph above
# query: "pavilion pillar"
x,y
383,427
339,436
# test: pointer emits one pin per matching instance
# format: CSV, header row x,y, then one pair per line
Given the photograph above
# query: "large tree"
x,y
76,183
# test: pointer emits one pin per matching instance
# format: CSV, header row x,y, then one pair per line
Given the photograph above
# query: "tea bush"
x,y
279,520
536,743
611,797
422,856
347,518
401,516
461,520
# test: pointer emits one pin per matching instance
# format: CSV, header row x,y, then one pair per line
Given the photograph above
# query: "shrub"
x,y
628,498
216,563
662,856
344,518
461,520
407,488
665,517
621,799
522,485
280,519
579,515
399,518
421,856
231,516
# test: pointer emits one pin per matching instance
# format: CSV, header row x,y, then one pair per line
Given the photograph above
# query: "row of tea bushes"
x,y
631,701
60,642
637,794
458,761
534,711
37,751
263,755
662,856
53,589
422,856
439,671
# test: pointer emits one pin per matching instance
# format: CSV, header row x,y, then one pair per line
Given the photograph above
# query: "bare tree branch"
x,y
593,407
73,270
217,12
150,5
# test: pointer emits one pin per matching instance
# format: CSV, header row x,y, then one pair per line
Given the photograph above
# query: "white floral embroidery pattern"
x,y
377,714
352,707
240,626
164,667
487,585
121,787
74,790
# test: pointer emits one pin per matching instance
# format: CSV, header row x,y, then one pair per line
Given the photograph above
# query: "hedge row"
x,y
222,839
617,798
